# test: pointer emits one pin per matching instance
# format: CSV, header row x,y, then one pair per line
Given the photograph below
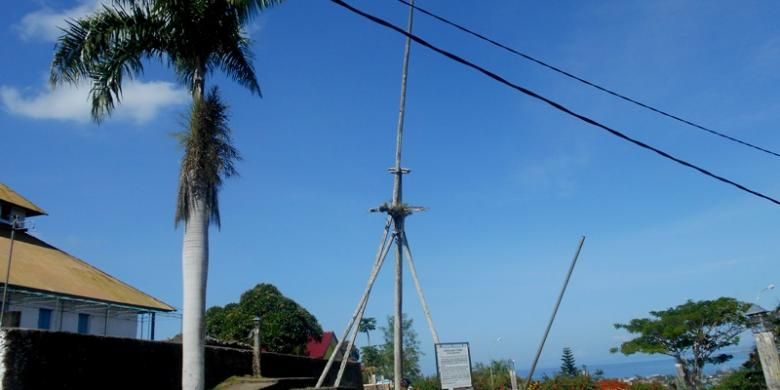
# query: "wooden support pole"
x,y
770,364
399,216
420,294
348,351
555,311
398,334
378,261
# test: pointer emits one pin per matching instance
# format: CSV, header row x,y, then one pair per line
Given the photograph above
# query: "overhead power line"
x,y
552,103
589,83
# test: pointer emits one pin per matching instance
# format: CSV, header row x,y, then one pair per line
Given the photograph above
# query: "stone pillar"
x,y
770,364
256,350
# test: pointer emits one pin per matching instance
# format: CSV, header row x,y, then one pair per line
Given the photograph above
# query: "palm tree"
x,y
195,37
366,325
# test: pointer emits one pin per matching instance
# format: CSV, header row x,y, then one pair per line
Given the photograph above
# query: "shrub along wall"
x,y
33,359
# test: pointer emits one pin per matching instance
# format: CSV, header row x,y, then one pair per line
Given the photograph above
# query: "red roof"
x,y
317,349
612,384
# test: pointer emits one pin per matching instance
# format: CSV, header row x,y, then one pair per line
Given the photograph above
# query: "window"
x,y
12,319
83,323
44,319
5,212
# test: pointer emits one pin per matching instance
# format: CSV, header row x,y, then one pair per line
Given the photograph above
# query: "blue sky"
x,y
511,184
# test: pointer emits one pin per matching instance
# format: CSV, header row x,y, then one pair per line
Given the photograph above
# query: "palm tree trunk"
x,y
195,263
195,260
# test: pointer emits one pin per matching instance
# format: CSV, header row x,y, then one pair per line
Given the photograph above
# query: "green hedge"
x,y
36,359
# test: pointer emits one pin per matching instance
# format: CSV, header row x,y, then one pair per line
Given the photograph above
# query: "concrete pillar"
x,y
767,352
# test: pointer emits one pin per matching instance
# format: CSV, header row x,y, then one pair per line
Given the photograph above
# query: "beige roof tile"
x,y
40,266
10,196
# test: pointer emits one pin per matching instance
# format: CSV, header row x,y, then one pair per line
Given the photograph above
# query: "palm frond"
x,y
106,46
247,9
71,60
234,58
209,157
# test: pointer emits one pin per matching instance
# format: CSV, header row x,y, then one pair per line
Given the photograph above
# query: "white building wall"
x,y
65,317
29,318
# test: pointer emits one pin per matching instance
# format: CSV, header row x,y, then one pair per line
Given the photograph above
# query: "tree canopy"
x,y
494,375
195,38
568,364
751,375
691,333
411,349
379,359
366,326
285,326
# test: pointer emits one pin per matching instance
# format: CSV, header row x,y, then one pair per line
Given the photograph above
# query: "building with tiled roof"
x,y
51,289
323,348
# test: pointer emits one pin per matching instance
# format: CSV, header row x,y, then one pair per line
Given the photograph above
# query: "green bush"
x,y
426,383
558,382
744,379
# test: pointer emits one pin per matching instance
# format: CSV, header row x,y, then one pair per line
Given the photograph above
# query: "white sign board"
x,y
453,363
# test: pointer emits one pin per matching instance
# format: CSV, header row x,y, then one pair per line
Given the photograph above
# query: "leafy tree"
x,y
569,377
195,37
285,326
494,375
411,350
371,360
743,379
366,325
691,333
577,382
568,365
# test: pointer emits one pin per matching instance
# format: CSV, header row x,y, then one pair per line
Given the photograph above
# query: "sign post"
x,y
453,364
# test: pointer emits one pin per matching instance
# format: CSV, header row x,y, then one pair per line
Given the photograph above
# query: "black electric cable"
x,y
586,82
552,103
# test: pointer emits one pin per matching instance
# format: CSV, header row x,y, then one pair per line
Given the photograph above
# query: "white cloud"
x,y
140,102
45,24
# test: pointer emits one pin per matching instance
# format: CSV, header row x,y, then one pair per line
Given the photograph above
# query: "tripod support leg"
x,y
380,257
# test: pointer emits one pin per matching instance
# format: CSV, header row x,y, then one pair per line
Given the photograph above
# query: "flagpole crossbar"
x,y
397,211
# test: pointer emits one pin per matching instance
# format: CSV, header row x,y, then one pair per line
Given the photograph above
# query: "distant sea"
x,y
642,368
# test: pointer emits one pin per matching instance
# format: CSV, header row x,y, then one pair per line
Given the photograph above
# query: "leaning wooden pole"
x,y
555,311
350,345
378,261
398,211
420,294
